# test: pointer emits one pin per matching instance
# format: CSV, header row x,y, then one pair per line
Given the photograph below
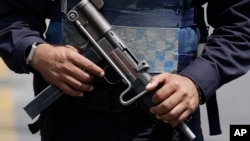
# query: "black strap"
x,y
198,3
35,127
201,24
213,116
212,105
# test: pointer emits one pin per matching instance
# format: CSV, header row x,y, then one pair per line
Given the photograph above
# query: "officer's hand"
x,y
176,98
65,68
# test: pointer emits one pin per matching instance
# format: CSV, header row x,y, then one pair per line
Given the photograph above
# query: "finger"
x,y
163,93
183,116
152,85
70,91
173,116
88,66
83,62
167,105
71,47
156,80
77,85
79,74
174,121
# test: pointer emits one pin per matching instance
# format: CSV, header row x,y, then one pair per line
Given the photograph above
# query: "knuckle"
x,y
184,93
171,115
78,86
191,109
71,55
89,65
165,106
157,97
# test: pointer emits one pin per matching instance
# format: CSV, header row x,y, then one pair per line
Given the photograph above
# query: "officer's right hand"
x,y
65,68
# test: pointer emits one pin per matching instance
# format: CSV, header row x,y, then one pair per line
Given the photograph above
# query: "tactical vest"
x,y
162,32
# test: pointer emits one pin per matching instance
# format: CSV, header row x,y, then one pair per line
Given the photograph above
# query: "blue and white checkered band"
x,y
160,47
164,49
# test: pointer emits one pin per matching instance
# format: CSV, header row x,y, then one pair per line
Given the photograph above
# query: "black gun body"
x,y
105,44
89,21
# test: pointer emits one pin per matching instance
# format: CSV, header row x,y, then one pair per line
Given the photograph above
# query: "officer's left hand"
x,y
176,98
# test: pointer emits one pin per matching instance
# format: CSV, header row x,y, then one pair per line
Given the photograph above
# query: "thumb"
x,y
151,85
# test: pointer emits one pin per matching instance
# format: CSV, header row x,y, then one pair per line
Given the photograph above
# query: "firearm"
x,y
104,44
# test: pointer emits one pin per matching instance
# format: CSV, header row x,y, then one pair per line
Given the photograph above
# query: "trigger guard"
x,y
111,76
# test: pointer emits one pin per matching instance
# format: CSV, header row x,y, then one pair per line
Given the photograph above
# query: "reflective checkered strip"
x,y
158,46
164,49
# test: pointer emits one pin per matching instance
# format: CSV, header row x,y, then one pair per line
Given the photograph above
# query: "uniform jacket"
x,y
225,57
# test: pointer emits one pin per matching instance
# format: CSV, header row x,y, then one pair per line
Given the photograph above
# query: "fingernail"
x,y
158,117
174,124
81,94
165,121
151,111
91,88
148,85
102,74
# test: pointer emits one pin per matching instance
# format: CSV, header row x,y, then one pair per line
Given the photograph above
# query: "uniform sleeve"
x,y
227,53
22,23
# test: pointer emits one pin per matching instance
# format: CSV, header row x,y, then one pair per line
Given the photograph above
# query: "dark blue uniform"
x,y
225,58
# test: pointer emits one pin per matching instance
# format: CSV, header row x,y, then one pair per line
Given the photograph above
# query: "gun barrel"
x,y
86,10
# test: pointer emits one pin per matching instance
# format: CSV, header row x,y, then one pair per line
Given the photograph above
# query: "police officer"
x,y
163,32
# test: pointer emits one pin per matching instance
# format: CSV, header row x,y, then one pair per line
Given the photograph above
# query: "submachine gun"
x,y
104,44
